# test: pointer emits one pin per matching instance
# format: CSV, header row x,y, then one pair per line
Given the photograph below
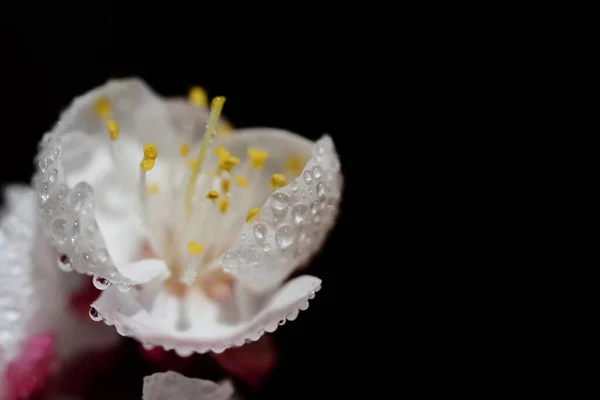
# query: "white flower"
x,y
34,295
260,206
173,386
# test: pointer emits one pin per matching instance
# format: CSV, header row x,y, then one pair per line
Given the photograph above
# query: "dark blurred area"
x,y
292,83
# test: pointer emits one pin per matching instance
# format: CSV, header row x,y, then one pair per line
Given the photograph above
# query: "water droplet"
x,y
124,288
64,263
321,189
308,177
80,197
317,172
230,260
314,207
95,315
285,236
102,256
44,163
266,247
53,176
260,231
279,201
310,190
243,236
43,188
101,283
299,213
295,186
63,229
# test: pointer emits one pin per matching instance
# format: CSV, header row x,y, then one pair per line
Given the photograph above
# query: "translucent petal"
x,y
152,316
173,386
294,220
76,161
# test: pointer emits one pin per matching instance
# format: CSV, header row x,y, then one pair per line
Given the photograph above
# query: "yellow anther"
x,y
212,195
153,188
113,129
191,163
277,181
224,129
226,163
102,107
150,152
147,165
197,96
194,248
220,151
184,149
225,185
240,180
257,157
294,165
251,214
223,204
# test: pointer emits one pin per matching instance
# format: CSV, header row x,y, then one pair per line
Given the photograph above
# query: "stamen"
x,y
251,214
191,164
257,157
225,185
240,180
227,162
184,149
277,181
146,165
113,129
194,248
197,96
215,112
212,195
103,108
219,150
223,205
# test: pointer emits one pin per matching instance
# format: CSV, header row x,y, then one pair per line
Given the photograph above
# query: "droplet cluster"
x,y
293,224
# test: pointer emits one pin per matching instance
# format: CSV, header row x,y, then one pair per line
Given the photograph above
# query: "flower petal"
x,y
173,386
86,203
16,289
143,271
295,220
34,293
151,315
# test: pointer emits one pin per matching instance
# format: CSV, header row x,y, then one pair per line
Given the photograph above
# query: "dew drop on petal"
x,y
63,229
100,283
308,177
260,231
64,263
285,236
317,172
80,197
279,201
295,186
124,288
299,213
230,260
320,189
266,247
95,315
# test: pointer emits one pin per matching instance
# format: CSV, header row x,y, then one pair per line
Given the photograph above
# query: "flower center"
x,y
194,221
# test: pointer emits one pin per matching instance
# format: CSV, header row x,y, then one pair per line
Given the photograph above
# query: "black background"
x,y
303,82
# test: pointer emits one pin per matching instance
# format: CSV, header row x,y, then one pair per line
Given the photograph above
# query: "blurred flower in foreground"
x,y
173,386
39,329
133,193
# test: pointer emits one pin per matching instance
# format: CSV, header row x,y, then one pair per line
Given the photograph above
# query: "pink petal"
x,y
30,370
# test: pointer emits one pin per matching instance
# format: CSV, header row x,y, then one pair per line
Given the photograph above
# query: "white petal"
x,y
151,315
76,157
173,386
34,293
296,218
143,271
